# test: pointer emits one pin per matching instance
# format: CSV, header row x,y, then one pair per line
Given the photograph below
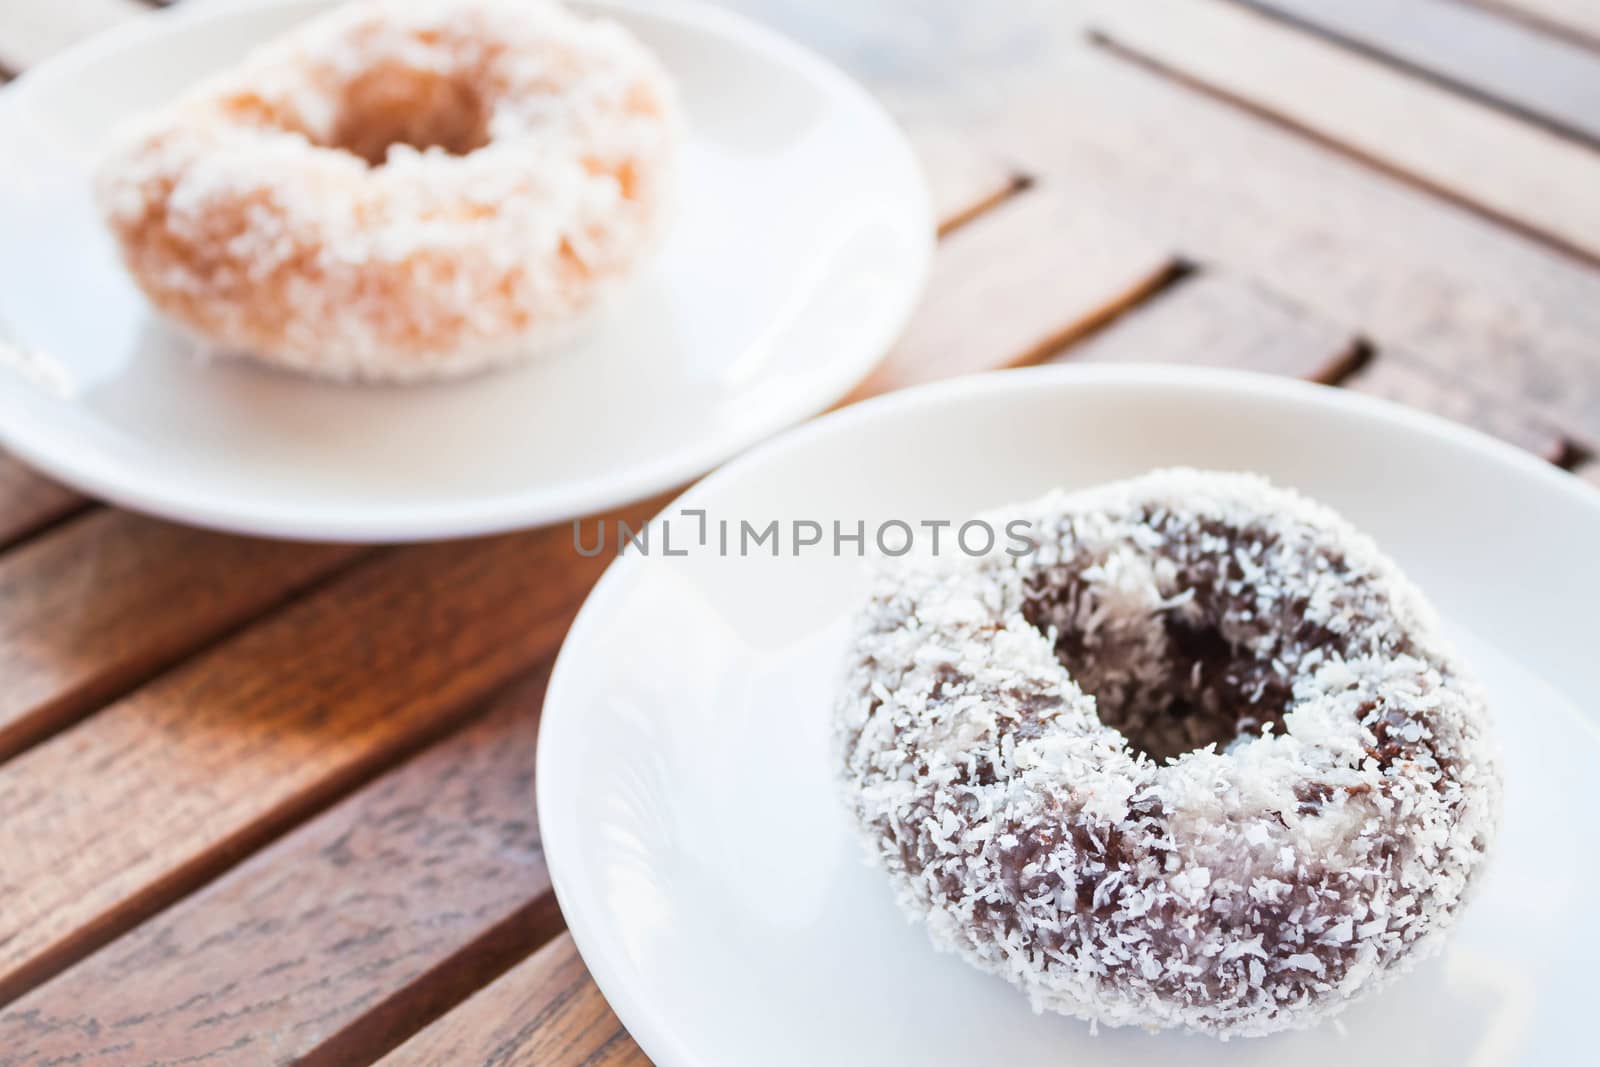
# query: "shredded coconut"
x,y
1258,844
401,189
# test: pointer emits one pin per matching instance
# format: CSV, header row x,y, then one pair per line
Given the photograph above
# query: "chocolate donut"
x,y
1201,760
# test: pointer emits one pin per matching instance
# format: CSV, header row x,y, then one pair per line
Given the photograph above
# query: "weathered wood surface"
x,y
1545,78
1226,187
1213,320
29,502
175,781
546,1011
1394,376
1575,19
112,598
1481,156
272,803
341,938
999,296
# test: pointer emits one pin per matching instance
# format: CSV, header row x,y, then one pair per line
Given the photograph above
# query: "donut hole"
x,y
399,105
1170,680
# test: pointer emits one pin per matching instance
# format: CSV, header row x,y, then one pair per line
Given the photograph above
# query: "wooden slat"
x,y
1499,164
1577,18
33,30
1214,320
544,1013
1395,376
1545,78
1016,283
29,502
112,598
183,776
1337,237
963,180
338,941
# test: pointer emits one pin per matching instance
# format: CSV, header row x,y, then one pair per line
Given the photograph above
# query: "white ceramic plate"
x,y
701,854
800,245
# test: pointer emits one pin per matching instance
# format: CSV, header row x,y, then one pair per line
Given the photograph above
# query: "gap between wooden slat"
x,y
1544,80
1214,319
964,180
111,599
1575,20
337,941
1015,284
182,778
1516,174
545,1012
1209,318
1398,376
30,504
1509,315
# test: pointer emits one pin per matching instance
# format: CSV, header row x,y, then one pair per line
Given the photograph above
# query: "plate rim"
x,y
528,507
655,1036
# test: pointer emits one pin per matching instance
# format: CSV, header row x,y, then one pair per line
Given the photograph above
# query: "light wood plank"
x,y
335,943
31,31
211,759
1579,18
1501,165
1016,283
1395,376
546,1012
963,180
1509,315
1543,77
1216,320
112,598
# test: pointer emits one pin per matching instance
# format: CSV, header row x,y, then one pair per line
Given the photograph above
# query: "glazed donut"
x,y
1200,760
400,190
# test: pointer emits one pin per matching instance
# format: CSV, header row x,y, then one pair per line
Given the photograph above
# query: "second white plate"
x,y
686,775
799,248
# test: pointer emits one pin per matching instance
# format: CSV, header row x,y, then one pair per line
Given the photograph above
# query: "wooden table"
x,y
268,802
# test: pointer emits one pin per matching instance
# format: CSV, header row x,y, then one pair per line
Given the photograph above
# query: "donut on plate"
x,y
1201,760
400,190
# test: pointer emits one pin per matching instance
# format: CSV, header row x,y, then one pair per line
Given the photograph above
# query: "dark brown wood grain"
x,y
30,502
1015,284
544,1013
187,774
1214,320
111,598
334,943
1544,78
